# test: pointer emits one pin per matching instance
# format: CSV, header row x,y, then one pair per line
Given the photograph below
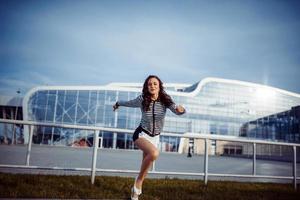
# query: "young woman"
x,y
153,103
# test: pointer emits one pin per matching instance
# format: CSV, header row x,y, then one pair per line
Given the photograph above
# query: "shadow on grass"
x,y
105,187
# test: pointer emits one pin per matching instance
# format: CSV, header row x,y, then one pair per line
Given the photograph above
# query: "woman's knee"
x,y
154,154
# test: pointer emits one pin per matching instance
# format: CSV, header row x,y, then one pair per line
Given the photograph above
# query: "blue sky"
x,y
98,42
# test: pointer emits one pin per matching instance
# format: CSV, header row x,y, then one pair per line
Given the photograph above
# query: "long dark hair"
x,y
162,96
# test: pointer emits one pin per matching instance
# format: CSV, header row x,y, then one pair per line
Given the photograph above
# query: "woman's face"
x,y
153,86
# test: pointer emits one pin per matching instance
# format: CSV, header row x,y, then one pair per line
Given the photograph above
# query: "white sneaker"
x,y
135,192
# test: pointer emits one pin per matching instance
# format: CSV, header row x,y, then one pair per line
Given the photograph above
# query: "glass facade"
x,y
213,107
284,126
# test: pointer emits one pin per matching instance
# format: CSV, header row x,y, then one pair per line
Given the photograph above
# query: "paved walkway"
x,y
68,157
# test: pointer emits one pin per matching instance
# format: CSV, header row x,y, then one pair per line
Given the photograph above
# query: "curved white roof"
x,y
10,101
209,79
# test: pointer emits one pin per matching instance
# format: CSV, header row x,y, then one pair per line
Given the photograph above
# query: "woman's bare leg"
x,y
150,153
144,155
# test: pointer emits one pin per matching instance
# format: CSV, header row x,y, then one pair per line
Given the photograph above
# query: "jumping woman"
x,y
153,103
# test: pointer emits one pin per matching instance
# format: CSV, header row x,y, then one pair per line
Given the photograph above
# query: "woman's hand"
x,y
116,106
180,109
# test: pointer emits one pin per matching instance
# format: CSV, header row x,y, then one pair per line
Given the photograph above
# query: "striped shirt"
x,y
152,120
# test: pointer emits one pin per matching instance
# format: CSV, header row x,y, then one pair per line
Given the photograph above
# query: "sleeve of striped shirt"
x,y
172,107
134,103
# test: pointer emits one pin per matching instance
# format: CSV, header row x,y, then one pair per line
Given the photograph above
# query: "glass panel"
x,y
40,107
121,141
60,106
51,106
129,142
69,107
92,108
82,107
107,139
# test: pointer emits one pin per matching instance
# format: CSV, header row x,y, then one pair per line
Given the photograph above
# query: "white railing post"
x,y
254,160
295,167
153,166
206,162
29,144
94,162
101,143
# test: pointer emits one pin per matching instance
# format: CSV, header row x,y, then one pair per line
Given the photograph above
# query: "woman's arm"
x,y
177,109
134,103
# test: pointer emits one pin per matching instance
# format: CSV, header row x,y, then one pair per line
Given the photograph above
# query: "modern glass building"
x,y
213,105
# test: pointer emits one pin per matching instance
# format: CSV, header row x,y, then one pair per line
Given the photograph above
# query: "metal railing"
x,y
206,138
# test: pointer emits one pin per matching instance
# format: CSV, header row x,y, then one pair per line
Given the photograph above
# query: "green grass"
x,y
105,187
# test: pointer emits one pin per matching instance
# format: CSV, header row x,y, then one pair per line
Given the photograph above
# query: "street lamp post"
x,y
14,137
